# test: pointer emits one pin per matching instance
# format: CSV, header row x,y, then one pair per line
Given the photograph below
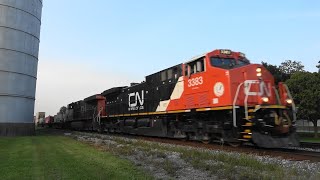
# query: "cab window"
x,y
243,62
225,63
228,63
195,67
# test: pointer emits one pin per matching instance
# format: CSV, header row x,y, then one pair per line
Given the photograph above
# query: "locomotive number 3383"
x,y
195,81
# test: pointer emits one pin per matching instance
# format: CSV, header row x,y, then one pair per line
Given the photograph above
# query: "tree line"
x,y
304,87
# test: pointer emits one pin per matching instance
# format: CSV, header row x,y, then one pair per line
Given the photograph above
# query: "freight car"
x,y
49,121
217,96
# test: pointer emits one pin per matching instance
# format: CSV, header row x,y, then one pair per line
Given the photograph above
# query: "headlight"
x,y
265,99
258,70
259,74
289,101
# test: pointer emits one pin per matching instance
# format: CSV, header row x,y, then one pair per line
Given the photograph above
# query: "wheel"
x,y
205,141
234,144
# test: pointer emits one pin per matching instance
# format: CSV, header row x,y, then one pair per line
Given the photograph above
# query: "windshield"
x,y
227,63
243,62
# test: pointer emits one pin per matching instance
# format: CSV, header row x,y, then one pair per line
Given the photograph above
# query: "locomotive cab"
x,y
268,118
243,95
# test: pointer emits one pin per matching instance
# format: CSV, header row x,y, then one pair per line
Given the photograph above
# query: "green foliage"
x,y
285,70
291,67
56,157
309,139
305,88
278,75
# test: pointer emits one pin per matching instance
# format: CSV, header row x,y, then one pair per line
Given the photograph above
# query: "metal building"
x,y
20,22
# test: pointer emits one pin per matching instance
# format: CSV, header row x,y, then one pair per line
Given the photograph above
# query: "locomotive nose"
x,y
255,72
256,84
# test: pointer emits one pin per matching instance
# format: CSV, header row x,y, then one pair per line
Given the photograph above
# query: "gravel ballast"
x,y
169,161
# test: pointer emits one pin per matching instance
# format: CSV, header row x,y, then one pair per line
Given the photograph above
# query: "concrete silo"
x,y
20,22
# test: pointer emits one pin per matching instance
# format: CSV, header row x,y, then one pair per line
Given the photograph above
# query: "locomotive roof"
x,y
196,57
94,97
112,90
177,65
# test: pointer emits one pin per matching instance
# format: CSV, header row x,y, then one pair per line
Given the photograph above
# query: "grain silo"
x,y
20,22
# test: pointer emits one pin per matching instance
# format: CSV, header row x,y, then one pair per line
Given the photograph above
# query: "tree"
x,y
63,110
278,75
290,67
305,88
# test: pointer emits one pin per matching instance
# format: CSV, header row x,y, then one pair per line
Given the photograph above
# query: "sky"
x,y
89,46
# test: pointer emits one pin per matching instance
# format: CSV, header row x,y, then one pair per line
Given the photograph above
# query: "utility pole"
x,y
318,66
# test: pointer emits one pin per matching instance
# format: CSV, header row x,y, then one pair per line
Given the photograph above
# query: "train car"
x,y
58,120
49,121
39,119
85,114
217,96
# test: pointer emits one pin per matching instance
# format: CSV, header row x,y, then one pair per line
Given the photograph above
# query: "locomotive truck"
x,y
217,96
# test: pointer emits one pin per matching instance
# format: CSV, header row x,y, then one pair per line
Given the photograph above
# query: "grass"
x,y
58,157
234,166
169,167
223,165
309,137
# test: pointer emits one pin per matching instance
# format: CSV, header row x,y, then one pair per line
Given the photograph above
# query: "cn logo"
x,y
134,99
264,89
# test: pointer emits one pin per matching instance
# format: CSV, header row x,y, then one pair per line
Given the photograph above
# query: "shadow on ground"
x,y
50,132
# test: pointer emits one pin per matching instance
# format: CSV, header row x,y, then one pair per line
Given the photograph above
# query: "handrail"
x,y
246,101
247,87
294,109
277,94
94,110
234,105
247,93
99,116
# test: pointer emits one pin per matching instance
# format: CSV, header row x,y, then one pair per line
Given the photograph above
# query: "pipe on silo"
x,y
20,22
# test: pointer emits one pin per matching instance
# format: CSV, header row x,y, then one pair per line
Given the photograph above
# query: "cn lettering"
x,y
136,101
264,88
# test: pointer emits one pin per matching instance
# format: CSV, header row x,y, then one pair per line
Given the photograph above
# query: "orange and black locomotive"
x,y
218,96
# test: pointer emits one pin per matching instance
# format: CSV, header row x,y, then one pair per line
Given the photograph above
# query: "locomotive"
x,y
217,96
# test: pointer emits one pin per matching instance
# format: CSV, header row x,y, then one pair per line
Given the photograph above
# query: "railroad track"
x,y
310,145
297,154
311,151
313,156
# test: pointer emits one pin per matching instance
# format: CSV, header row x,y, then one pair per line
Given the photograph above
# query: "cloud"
x,y
62,82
